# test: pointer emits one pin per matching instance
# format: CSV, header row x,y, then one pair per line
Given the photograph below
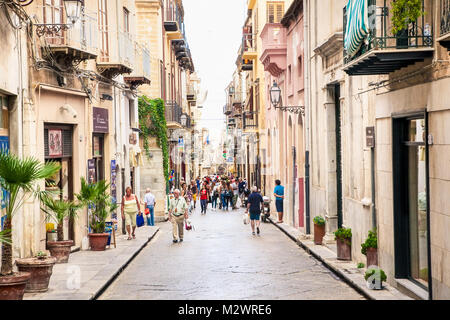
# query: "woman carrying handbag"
x,y
130,208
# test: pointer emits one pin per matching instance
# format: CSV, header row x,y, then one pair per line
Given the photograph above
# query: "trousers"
x,y
177,227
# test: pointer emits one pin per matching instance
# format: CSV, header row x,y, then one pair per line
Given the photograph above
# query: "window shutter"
x,y
279,12
275,12
270,13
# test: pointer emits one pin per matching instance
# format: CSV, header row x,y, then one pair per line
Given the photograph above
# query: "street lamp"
x,y
275,99
73,10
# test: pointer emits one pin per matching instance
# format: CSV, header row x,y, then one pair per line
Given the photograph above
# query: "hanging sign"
x,y
101,122
55,147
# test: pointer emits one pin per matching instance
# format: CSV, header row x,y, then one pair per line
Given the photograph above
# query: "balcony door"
x,y
53,12
103,28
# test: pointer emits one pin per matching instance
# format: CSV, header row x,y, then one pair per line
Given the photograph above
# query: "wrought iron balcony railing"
x,y
173,112
250,119
418,34
227,109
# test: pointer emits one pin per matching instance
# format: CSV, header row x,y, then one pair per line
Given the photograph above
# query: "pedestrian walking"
x,y
130,208
178,212
150,203
194,190
278,192
229,195
215,196
241,188
204,199
255,207
223,196
235,188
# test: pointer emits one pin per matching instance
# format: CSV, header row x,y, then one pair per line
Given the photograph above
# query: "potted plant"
x,y
97,199
18,177
369,249
404,12
41,268
374,278
319,229
59,210
343,238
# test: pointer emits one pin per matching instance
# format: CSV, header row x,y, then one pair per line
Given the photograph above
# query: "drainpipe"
x,y
306,133
374,210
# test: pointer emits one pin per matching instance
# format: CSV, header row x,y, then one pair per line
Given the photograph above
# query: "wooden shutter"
x,y
275,12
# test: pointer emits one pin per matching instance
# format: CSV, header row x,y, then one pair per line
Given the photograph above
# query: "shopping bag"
x,y
188,225
140,220
246,218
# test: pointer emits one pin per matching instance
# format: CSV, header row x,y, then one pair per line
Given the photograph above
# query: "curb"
x,y
330,267
122,268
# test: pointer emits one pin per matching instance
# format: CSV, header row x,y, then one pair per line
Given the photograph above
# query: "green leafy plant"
x,y
405,12
19,178
318,220
59,210
41,255
379,274
344,234
371,242
95,196
152,122
361,265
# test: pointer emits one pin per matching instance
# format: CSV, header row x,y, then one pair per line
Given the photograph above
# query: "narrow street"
x,y
221,259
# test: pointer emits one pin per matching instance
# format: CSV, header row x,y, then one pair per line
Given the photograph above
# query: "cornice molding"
x,y
331,46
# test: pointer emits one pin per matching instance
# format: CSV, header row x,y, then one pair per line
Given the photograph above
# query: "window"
x,y
53,14
126,20
4,121
103,28
275,12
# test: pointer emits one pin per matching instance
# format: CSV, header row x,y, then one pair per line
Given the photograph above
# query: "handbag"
x,y
140,220
246,218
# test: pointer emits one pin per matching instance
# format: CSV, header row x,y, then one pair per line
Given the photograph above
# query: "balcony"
x,y
380,51
444,38
227,109
121,58
191,95
250,120
173,23
173,115
274,47
249,47
237,99
141,74
75,45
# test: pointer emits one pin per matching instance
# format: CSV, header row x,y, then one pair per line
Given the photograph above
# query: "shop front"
x,y
4,145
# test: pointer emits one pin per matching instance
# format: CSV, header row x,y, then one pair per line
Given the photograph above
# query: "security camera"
x,y
69,109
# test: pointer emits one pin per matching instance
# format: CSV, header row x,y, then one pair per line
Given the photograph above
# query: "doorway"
x,y
337,103
411,199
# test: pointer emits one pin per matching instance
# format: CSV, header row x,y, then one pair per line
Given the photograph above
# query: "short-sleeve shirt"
x,y
255,200
149,199
279,190
178,206
204,194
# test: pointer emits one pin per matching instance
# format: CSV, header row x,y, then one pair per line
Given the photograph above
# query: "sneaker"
x,y
175,241
181,240
253,233
257,231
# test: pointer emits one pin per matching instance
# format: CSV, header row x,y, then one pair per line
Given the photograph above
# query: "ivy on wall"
x,y
405,12
152,122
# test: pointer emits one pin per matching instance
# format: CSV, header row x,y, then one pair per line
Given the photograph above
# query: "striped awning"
x,y
357,25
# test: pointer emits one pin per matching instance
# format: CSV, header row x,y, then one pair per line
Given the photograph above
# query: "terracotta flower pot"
x,y
319,233
60,250
372,257
13,287
344,250
98,241
40,270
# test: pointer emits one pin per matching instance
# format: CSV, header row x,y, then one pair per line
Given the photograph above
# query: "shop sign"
x,y
114,187
101,122
370,137
4,145
91,171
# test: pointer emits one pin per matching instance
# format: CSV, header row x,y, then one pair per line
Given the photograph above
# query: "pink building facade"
x,y
285,150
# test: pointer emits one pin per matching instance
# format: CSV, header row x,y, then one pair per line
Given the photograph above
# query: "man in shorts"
x,y
255,206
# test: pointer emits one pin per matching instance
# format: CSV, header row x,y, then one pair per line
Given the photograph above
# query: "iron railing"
x,y
173,112
250,119
172,14
445,17
418,34
227,109
142,61
83,35
248,43
126,49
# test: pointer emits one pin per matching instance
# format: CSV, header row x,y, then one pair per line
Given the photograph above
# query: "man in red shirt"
x,y
203,198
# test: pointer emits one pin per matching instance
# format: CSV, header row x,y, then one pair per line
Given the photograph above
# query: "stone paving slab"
x,y
345,269
93,270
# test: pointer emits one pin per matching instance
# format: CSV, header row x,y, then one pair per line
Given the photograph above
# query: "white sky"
x,y
214,34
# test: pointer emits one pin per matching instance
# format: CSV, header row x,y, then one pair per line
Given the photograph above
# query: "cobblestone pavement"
x,y
221,260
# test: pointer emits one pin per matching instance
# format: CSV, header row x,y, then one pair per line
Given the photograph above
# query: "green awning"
x,y
357,25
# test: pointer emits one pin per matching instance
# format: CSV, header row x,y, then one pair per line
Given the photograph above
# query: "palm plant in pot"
x,y
370,248
18,177
319,229
59,210
95,196
343,238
